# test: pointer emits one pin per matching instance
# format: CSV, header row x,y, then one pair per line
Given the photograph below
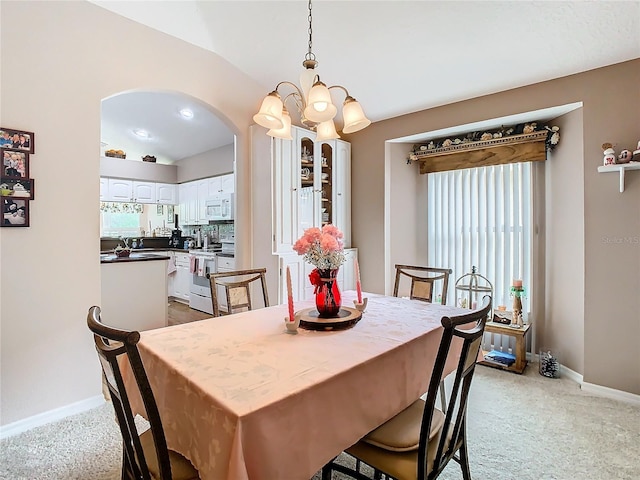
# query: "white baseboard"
x,y
50,416
612,393
592,388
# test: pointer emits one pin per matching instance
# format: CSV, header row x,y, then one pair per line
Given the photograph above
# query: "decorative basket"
x,y
115,154
149,158
123,253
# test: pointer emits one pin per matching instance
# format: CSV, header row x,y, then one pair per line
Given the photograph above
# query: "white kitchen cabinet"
x,y
341,193
182,277
144,192
166,193
120,190
214,187
226,264
192,197
227,183
201,202
104,189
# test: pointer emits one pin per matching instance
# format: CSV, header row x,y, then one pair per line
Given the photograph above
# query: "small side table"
x,y
520,335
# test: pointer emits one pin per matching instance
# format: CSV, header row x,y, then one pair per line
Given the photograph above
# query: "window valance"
x,y
521,143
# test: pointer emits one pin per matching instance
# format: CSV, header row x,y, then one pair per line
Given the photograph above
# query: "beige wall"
x,y
606,237
58,61
212,163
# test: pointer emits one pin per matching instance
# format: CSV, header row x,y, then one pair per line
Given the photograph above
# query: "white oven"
x,y
199,289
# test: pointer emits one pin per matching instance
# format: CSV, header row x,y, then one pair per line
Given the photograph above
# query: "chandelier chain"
x,y
310,55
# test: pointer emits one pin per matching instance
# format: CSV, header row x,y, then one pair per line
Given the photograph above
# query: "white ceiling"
x,y
397,57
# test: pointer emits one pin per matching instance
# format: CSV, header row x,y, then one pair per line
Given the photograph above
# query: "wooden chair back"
x,y
237,286
111,344
423,280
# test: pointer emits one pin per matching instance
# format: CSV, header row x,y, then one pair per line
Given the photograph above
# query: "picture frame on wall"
x,y
15,163
17,139
15,212
17,187
160,210
169,213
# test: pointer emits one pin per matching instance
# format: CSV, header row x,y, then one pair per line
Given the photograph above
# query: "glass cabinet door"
x,y
305,151
326,182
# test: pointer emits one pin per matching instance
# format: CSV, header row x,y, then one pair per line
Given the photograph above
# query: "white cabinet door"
x,y
183,194
347,276
191,214
285,192
227,183
341,198
104,189
214,187
201,201
166,193
120,190
308,198
182,280
144,192
297,266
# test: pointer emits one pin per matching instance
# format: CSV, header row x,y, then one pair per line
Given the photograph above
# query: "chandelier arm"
x,y
345,91
295,87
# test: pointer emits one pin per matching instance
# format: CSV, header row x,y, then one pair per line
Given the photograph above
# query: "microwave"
x,y
221,207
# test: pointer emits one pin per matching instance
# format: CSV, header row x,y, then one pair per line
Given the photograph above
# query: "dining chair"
x,y
419,441
237,286
423,280
144,456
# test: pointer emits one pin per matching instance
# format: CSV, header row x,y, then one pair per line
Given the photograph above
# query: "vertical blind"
x,y
482,217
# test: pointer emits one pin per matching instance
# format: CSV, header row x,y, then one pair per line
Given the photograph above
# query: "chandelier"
x,y
313,101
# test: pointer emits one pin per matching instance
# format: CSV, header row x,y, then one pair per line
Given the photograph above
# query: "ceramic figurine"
x,y
625,156
609,154
636,154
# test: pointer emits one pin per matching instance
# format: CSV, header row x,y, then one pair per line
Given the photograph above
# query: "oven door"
x,y
199,284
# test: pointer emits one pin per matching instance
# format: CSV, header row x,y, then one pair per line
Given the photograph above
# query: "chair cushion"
x,y
181,468
402,432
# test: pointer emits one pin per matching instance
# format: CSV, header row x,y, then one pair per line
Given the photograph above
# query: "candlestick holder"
x,y
361,307
292,327
517,292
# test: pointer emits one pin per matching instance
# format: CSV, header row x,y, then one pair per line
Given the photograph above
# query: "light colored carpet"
x,y
524,427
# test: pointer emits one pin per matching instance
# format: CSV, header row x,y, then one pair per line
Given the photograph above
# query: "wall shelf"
x,y
621,168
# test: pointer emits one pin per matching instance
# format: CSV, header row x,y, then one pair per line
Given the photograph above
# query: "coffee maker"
x,y
176,235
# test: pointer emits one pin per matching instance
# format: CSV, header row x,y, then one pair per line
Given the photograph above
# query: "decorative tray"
x,y
347,318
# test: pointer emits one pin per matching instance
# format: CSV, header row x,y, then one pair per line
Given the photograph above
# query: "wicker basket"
x,y
115,154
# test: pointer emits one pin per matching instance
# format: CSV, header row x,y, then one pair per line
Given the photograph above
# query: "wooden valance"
x,y
528,147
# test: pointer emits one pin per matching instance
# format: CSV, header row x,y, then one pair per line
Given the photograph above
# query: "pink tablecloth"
x,y
244,400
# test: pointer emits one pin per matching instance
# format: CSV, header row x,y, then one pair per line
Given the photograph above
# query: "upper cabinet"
x,y
144,192
312,184
166,193
122,190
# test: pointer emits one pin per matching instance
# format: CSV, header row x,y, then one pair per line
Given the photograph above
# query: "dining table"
x,y
243,399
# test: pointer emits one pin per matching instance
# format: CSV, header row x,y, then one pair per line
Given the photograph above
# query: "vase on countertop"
x,y
328,299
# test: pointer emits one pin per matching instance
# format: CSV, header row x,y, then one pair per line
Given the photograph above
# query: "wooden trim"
x,y
518,148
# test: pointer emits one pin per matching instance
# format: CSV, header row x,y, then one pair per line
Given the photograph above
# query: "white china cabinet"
x,y
311,187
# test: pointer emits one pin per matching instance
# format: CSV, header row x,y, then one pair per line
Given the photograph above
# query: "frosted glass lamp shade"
x,y
319,106
285,131
353,115
270,114
326,131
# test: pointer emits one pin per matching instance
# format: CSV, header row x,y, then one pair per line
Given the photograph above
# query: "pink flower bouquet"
x,y
322,248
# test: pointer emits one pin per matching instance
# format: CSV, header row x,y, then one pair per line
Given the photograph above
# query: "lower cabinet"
x,y
180,280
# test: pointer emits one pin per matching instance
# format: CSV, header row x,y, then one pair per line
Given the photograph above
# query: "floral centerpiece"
x,y
323,248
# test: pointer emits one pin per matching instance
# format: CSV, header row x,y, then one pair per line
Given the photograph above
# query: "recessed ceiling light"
x,y
139,132
186,113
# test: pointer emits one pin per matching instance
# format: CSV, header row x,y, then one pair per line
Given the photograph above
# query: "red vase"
x,y
328,300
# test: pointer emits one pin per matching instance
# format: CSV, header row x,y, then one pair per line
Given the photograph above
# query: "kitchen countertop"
x,y
134,257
